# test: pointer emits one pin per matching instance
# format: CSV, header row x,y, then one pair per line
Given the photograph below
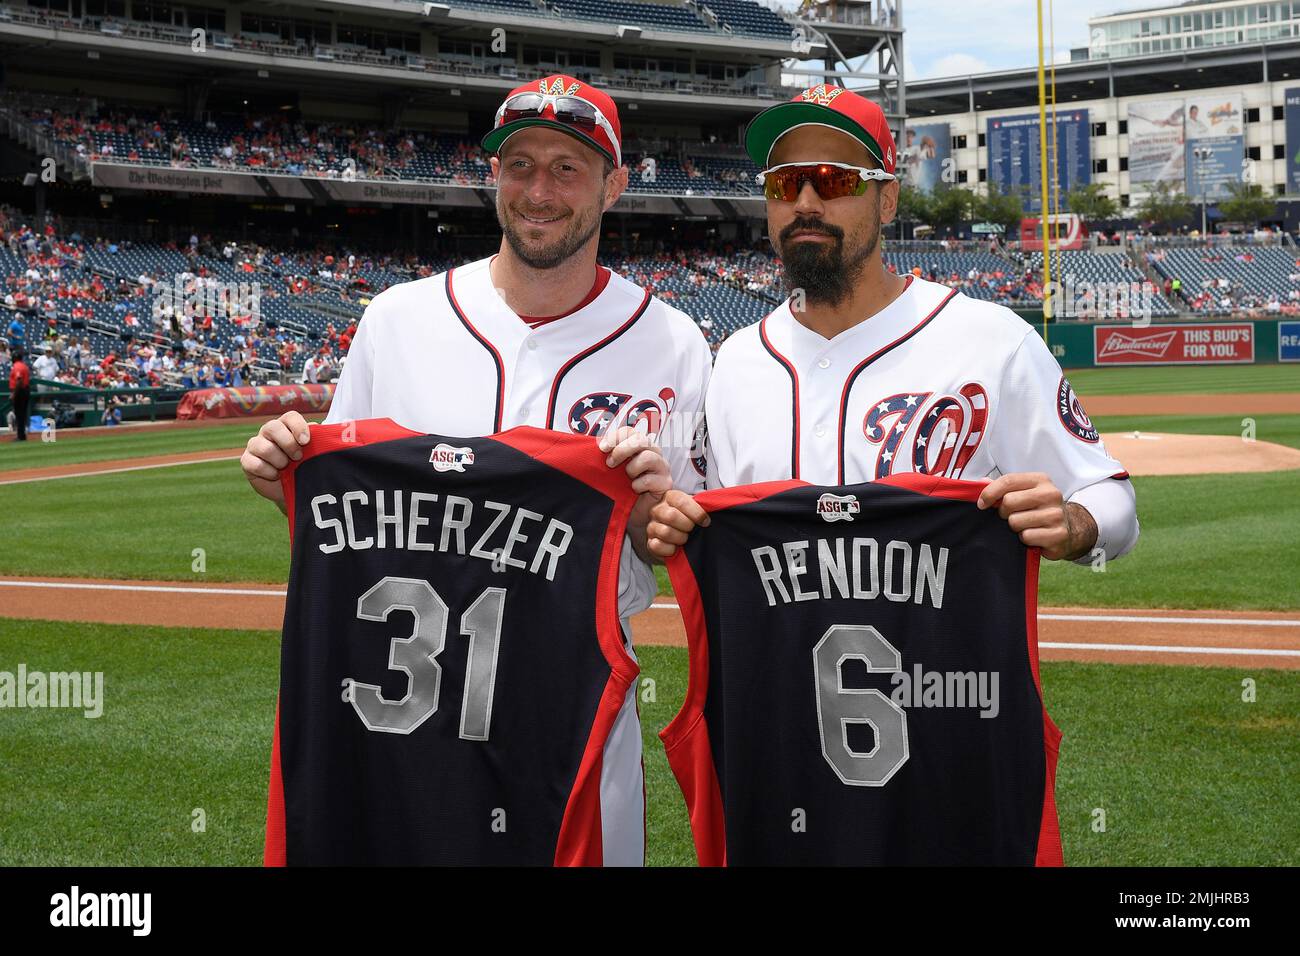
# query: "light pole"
x,y
1202,154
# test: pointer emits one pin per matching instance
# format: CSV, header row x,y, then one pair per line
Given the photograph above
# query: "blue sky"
x,y
959,37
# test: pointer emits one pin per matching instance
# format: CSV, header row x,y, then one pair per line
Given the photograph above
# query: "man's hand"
x,y
672,521
651,478
269,451
1035,510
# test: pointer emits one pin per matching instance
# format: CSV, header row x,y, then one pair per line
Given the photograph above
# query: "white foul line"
x,y
1049,645
114,471
1163,648
1135,619
85,586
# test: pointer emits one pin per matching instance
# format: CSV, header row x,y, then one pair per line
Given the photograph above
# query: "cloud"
x,y
947,38
953,64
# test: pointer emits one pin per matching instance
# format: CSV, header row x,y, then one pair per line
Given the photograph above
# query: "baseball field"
x,y
140,553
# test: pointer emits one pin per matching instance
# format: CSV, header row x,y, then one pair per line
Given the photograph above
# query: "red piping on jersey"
x,y
794,386
580,841
1049,831
273,854
848,382
1122,476
590,350
686,738
482,340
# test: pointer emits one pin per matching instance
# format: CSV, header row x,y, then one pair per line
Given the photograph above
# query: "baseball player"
x,y
862,374
538,334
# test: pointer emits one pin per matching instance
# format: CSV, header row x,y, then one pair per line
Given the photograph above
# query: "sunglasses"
x,y
568,110
830,180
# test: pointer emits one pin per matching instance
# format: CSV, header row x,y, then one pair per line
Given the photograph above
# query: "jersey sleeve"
x,y
354,390
1041,425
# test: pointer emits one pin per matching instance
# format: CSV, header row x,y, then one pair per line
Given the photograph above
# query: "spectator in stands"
x,y
20,385
46,365
17,332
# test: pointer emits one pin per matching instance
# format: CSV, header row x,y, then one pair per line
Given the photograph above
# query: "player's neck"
x,y
874,292
529,291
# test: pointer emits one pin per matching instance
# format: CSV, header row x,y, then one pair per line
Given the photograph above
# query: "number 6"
x,y
838,706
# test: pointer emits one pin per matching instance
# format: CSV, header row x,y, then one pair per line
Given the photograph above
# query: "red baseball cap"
x,y
603,134
823,105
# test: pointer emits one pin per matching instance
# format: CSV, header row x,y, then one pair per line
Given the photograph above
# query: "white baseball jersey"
x,y
445,355
935,383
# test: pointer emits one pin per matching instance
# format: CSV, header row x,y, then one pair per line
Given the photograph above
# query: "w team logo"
x,y
1072,415
821,94
446,458
557,88
838,508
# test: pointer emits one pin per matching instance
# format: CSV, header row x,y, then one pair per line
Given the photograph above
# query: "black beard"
x,y
551,256
821,270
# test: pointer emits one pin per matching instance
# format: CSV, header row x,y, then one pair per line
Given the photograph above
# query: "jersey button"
x,y
532,345
824,363
523,413
820,431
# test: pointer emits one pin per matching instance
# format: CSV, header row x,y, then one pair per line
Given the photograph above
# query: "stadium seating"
x,y
746,17
1110,268
333,151
652,16
1226,280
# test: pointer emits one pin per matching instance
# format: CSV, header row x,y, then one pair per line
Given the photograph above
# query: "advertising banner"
x,y
1014,157
1156,143
1214,133
922,154
1208,344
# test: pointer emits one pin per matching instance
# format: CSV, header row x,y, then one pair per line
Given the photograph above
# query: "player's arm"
x,y
648,470
280,441
1059,490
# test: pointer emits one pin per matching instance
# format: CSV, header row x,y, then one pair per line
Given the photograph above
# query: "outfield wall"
x,y
1222,342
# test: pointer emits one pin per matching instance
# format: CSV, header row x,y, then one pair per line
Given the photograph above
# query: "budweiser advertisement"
x,y
1175,344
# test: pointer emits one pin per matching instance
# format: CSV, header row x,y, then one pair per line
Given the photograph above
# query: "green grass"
x,y
1278,429
1186,773
145,524
123,443
1184,379
1208,541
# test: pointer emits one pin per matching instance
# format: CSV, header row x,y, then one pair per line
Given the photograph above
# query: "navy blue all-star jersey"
x,y
452,665
863,680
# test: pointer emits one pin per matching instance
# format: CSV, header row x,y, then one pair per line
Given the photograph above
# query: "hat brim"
x,y
494,140
775,121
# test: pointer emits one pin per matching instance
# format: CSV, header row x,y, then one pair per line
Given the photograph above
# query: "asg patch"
x,y
838,508
446,458
1072,415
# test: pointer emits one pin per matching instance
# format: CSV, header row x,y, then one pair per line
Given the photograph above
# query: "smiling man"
x,y
862,374
538,334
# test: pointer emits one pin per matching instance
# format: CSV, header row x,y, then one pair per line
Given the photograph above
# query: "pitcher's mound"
x,y
1158,453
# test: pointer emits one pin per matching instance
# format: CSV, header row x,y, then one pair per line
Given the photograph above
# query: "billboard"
x,y
1155,142
924,150
1175,344
1013,145
1214,132
1288,341
1293,140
